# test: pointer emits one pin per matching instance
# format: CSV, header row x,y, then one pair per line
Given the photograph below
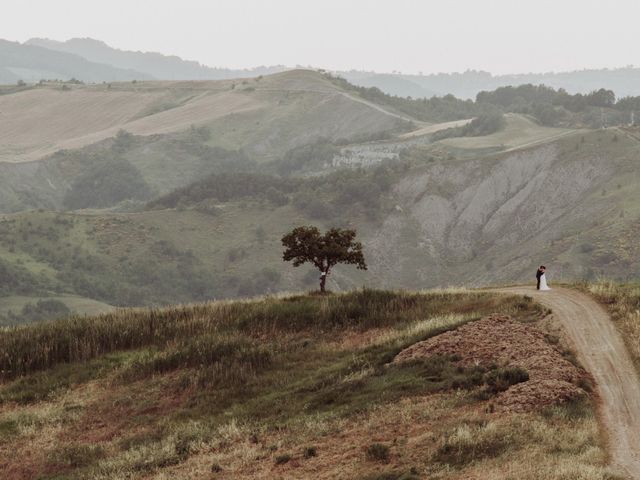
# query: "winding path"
x,y
601,350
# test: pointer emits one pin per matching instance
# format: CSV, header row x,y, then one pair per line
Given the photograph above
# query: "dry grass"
x,y
623,303
439,437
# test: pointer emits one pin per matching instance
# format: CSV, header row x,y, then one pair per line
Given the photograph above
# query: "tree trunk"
x,y
323,281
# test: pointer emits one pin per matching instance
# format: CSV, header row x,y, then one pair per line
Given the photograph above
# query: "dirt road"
x,y
429,129
602,352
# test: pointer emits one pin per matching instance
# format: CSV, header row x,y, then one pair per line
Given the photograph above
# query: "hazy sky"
x,y
500,36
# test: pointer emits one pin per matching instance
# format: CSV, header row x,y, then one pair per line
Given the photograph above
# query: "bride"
x,y
543,280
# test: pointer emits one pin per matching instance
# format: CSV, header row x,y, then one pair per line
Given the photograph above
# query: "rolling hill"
x,y
134,175
172,133
263,115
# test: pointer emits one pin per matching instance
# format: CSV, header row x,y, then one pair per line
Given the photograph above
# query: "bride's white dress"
x,y
543,282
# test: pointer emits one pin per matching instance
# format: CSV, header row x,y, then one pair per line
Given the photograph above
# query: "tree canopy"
x,y
307,245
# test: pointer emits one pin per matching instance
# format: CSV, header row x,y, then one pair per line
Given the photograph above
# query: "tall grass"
x,y
228,360
38,347
623,303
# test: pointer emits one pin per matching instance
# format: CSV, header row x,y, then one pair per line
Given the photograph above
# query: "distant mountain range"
x,y
94,61
31,63
154,65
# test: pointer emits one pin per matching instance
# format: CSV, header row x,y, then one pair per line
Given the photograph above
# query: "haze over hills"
x,y
623,81
31,63
154,65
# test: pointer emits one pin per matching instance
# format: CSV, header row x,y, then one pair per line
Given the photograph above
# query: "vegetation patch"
x,y
378,452
75,456
469,443
44,385
336,195
218,360
282,459
485,124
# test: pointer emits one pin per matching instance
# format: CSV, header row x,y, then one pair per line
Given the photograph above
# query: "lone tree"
x,y
306,244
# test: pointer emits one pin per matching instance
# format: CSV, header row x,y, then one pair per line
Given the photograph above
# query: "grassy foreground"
x,y
295,387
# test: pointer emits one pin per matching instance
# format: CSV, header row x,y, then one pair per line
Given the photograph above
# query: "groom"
x,y
539,274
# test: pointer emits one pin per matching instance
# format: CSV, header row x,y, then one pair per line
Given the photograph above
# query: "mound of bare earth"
x,y
500,340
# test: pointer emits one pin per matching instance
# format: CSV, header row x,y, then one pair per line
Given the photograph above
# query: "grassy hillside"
x,y
125,168
426,221
147,259
262,115
297,387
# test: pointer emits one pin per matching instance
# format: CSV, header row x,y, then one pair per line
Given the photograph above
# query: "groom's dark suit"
x,y
538,275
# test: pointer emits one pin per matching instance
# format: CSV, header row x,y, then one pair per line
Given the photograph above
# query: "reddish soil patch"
x,y
126,409
500,340
355,339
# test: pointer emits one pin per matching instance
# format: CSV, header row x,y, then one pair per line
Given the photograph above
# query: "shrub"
x,y
76,455
378,452
469,443
310,452
282,459
485,124
501,379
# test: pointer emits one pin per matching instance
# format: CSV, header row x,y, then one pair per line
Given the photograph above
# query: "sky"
x,y
409,36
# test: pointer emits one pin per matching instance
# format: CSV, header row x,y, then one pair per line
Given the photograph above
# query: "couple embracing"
x,y
541,275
